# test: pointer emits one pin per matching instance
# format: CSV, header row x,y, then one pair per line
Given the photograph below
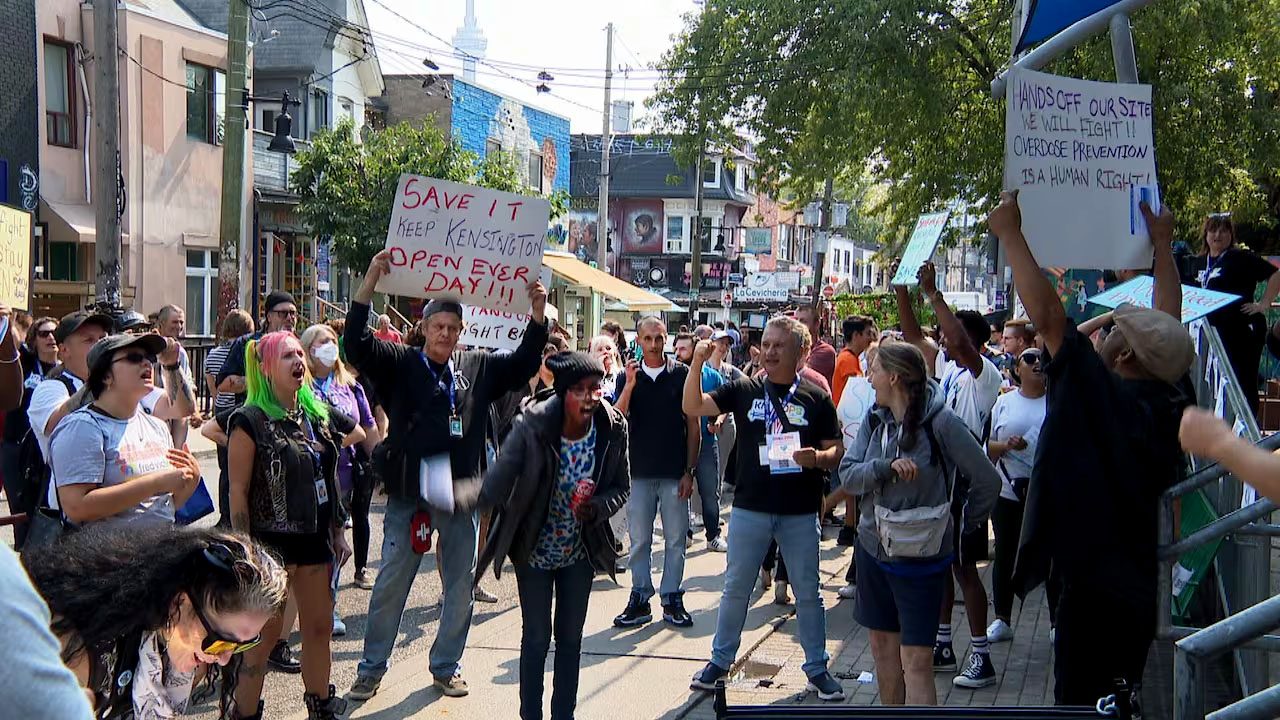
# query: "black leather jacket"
x,y
520,483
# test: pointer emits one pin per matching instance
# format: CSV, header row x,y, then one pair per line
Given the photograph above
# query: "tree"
x,y
346,189
902,87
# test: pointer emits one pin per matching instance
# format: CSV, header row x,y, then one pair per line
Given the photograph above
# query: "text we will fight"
x,y
478,246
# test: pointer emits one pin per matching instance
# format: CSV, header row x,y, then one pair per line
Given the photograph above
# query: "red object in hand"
x,y
420,532
581,494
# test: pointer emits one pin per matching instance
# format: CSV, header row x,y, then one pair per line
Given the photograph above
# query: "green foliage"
x,y
901,89
346,188
883,308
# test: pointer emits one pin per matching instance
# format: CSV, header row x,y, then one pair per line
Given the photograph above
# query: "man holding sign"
x,y
438,402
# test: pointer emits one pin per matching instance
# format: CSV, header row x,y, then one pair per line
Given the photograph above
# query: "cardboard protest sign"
x,y
857,399
15,258
924,240
1196,302
470,244
1080,154
495,329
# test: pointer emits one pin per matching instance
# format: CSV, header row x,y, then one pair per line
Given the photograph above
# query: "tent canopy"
x,y
1046,18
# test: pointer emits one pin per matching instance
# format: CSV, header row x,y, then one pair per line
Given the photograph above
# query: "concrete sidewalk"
x,y
641,673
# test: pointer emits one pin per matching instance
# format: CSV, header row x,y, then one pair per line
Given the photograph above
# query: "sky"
x,y
564,37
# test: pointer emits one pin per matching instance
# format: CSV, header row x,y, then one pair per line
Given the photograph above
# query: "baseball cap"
x,y
721,335
72,322
1159,342
101,352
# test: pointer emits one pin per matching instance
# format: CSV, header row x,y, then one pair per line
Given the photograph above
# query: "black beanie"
x,y
570,367
277,297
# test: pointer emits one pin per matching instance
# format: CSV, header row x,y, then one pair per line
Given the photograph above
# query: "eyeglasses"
x,y
286,313
136,358
215,643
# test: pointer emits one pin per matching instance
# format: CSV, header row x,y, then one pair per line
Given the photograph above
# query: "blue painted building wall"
x,y
479,115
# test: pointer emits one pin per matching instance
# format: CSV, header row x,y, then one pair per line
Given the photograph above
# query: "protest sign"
x,y
924,240
1080,155
15,258
857,399
470,244
495,329
1196,302
767,287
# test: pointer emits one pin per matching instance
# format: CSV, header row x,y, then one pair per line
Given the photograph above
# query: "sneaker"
x,y
827,687
780,595
944,658
830,520
365,687
365,578
848,536
674,613
688,540
282,659
999,631
766,579
1053,635
339,627
979,673
708,677
717,544
695,520
479,594
452,687
638,612
321,707
848,592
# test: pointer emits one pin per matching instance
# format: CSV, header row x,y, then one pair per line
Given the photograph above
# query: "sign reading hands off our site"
x,y
471,244
1081,155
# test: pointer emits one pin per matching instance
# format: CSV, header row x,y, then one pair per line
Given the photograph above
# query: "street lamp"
x,y
282,141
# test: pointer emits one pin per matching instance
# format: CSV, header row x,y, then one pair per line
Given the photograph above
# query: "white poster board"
x,y
856,400
1196,302
767,287
1080,154
924,240
461,242
495,329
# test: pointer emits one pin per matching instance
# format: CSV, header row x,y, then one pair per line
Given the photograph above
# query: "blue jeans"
x,y
750,533
457,534
709,486
571,587
648,497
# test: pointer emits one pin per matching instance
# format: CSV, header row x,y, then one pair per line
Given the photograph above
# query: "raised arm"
x,y
1037,295
10,368
959,344
696,403
911,331
1205,436
373,356
1167,293
179,399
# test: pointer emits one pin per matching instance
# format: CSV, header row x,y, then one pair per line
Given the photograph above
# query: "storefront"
x,y
585,296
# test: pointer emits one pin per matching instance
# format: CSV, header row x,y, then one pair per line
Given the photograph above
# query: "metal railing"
x,y
1242,563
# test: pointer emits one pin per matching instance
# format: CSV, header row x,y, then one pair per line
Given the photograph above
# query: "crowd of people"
x,y
565,465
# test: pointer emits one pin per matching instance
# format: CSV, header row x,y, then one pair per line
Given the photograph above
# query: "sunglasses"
x,y
215,643
1030,357
44,333
286,313
136,358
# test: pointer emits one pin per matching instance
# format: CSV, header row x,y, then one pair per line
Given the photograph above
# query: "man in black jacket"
x,y
437,400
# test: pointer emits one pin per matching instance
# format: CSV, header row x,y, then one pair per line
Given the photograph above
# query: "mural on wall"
x,y
550,163
583,237
642,228
29,186
480,116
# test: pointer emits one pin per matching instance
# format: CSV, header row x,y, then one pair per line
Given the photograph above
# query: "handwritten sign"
x,y
924,240
496,329
15,258
767,287
1196,302
857,399
759,240
1080,153
461,242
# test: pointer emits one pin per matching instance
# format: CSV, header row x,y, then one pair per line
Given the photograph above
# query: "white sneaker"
x,y
695,521
848,592
717,544
780,594
339,627
999,631
1053,635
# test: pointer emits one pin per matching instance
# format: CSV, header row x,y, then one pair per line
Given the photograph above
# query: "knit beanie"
x,y
570,367
277,297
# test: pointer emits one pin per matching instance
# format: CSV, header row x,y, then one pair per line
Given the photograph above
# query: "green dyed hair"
x,y
266,352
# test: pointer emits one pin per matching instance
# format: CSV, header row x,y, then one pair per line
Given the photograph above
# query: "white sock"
x,y
944,633
980,645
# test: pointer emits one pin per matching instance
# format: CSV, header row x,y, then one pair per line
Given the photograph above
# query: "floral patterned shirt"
x,y
560,540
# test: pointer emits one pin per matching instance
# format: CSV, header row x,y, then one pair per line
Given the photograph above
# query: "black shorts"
x,y
971,547
898,603
292,549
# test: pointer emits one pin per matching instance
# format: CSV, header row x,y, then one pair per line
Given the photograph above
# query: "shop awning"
x,y
71,223
579,273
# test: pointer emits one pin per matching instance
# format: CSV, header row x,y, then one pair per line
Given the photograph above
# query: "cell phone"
x,y
639,353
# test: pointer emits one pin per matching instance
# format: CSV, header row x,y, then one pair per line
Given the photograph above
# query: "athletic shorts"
x,y
308,549
971,547
898,603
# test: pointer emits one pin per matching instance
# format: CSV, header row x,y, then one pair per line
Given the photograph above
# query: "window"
x,y
535,172
59,94
268,120
676,242
711,172
64,261
319,116
706,234
206,90
740,178
202,292
492,147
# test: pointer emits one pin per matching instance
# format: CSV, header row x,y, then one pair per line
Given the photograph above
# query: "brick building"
x,y
19,112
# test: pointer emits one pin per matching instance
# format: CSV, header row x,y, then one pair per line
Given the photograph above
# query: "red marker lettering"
x,y
402,258
514,206
493,207
417,255
410,192
432,197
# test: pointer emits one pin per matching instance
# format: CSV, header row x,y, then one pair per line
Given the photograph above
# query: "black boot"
x,y
255,716
328,708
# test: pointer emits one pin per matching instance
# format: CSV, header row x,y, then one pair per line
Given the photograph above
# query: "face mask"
x,y
327,354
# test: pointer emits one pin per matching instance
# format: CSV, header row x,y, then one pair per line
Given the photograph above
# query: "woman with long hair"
x,y
1242,325
338,387
138,610
605,349
899,467
282,465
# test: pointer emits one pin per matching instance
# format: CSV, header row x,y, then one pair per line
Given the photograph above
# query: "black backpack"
x,y
36,472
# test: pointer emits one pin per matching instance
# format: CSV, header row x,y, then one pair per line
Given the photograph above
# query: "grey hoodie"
x,y
865,470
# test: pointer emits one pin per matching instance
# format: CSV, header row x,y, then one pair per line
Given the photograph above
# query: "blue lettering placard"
x,y
1196,302
924,240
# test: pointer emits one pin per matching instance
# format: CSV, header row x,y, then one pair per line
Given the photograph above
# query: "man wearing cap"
x,y
281,314
438,403
1108,447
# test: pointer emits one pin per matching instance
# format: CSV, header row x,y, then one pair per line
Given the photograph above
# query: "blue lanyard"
x,y
1209,262
451,388
770,414
323,386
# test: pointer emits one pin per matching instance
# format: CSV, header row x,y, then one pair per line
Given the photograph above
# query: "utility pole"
x,y
695,264
233,160
106,121
606,140
824,233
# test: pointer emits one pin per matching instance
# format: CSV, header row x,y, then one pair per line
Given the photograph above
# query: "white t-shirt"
x,y
971,397
48,396
652,372
1017,414
93,448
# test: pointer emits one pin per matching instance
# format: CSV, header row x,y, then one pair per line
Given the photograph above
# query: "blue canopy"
x,y
1046,18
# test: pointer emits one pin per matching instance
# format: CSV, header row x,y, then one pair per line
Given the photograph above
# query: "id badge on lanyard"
x,y
322,488
455,420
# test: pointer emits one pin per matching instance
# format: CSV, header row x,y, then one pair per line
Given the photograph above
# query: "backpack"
x,y
36,472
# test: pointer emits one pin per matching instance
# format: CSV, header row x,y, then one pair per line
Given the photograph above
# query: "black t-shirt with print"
x,y
1237,272
757,490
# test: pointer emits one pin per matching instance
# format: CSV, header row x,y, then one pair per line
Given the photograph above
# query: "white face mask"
x,y
327,354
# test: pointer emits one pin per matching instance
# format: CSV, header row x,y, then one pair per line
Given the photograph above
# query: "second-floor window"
x,y
535,172
59,94
492,147
319,115
206,90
